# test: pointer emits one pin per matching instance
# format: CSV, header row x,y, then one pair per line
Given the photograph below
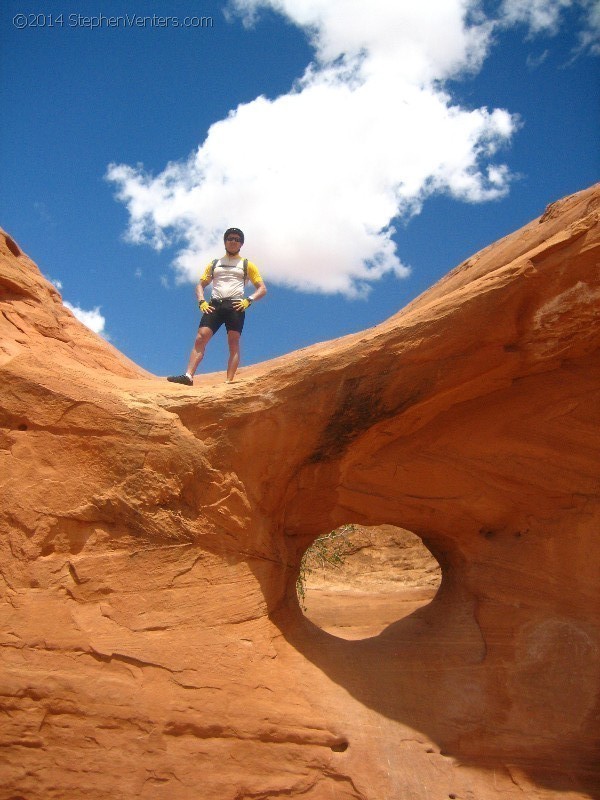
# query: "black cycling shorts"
x,y
224,312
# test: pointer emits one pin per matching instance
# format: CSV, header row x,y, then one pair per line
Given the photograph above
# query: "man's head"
x,y
234,239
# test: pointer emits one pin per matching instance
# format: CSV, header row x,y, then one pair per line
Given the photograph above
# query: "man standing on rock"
x,y
228,305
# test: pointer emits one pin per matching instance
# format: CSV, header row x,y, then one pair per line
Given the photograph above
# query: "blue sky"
x,y
364,148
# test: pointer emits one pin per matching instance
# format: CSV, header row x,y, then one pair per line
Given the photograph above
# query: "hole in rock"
x,y
357,580
339,747
12,246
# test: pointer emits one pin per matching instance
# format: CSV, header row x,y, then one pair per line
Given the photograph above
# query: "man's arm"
x,y
202,284
261,291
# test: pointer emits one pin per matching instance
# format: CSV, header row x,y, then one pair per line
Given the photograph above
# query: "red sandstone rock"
x,y
150,536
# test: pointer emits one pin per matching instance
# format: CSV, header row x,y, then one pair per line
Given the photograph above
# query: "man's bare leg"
x,y
202,339
233,340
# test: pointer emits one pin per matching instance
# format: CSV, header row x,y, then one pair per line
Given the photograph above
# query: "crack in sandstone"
x,y
217,731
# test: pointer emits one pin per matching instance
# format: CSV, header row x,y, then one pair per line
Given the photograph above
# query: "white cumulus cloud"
x,y
538,15
545,16
92,319
317,177
589,37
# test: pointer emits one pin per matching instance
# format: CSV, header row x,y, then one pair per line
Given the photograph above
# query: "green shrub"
x,y
327,550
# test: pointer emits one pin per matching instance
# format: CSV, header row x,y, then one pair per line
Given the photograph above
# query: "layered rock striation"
x,y
152,644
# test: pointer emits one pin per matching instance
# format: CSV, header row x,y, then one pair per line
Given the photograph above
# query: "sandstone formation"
x,y
355,581
152,644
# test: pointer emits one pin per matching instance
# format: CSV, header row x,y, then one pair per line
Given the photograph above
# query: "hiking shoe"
x,y
181,379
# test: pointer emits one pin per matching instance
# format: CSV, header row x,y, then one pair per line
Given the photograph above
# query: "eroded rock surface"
x,y
150,537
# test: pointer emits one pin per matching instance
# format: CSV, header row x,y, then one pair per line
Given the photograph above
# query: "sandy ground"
x,y
352,614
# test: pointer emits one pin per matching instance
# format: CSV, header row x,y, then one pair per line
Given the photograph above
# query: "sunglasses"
x,y
233,239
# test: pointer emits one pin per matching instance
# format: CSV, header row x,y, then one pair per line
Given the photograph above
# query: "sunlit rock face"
x,y
151,535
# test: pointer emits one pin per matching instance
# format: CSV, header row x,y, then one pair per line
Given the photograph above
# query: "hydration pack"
x,y
216,261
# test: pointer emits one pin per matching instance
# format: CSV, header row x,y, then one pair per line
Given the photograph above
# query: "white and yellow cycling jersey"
x,y
229,276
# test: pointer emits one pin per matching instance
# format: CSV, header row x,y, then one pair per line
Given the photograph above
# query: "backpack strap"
x,y
216,260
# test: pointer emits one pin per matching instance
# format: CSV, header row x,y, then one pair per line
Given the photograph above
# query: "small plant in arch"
x,y
327,550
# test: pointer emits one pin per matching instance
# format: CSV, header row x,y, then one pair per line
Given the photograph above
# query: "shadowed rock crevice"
x,y
357,410
12,246
151,536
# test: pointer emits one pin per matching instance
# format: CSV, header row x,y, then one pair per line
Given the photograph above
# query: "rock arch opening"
x,y
12,245
357,580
